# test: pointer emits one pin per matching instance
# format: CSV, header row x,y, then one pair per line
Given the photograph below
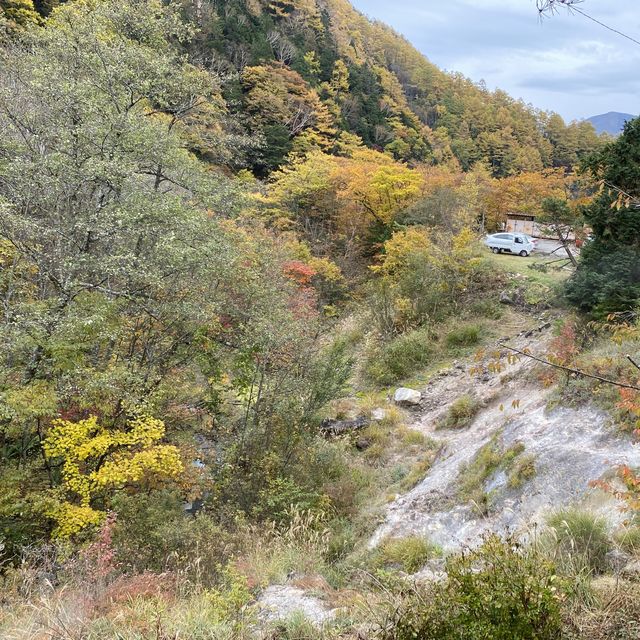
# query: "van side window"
x,y
519,240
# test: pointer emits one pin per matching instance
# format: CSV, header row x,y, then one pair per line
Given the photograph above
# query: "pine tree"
x,y
608,278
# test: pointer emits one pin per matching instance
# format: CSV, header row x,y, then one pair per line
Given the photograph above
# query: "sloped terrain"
x,y
565,448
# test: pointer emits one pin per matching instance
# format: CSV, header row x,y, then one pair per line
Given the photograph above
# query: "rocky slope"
x,y
566,449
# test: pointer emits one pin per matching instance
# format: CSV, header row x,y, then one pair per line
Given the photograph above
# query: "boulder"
x,y
632,571
506,298
281,602
617,560
362,444
378,414
407,397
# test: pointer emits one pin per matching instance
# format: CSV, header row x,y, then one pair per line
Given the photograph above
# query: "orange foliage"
x,y
299,272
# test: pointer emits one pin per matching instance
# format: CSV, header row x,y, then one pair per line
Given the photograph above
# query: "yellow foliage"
x,y
401,248
523,194
327,269
379,186
71,519
97,460
447,265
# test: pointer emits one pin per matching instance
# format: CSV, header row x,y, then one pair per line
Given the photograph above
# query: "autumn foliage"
x,y
97,461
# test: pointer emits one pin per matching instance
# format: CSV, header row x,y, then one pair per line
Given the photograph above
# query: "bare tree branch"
x,y
578,372
549,7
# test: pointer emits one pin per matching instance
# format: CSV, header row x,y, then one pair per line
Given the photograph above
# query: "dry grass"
x,y
461,412
614,613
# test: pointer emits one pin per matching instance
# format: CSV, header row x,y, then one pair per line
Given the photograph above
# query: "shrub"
x,y
461,412
500,591
400,357
153,533
465,336
579,540
410,554
537,294
280,493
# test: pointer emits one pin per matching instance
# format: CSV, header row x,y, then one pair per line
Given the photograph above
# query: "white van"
x,y
510,242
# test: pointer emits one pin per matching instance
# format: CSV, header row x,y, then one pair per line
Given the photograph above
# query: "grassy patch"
x,y
487,461
409,554
418,472
489,309
522,470
628,539
395,360
536,268
461,413
464,336
579,540
411,437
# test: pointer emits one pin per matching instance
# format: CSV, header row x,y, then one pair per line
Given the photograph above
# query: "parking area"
x,y
547,246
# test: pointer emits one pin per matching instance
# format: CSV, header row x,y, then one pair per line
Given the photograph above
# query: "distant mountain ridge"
x,y
611,122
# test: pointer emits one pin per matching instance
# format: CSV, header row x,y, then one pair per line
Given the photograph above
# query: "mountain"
x,y
612,122
320,69
303,73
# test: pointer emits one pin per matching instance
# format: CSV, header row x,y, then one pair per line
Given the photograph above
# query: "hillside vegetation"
x,y
230,229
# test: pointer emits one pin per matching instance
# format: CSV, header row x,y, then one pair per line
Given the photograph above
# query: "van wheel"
x,y
495,250
524,254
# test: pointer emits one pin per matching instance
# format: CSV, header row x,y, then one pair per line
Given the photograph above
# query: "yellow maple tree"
x,y
97,461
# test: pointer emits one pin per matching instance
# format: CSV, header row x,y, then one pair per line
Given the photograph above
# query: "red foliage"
x,y
630,495
299,272
564,347
629,401
99,556
142,585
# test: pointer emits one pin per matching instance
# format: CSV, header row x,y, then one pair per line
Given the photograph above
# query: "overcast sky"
x,y
565,63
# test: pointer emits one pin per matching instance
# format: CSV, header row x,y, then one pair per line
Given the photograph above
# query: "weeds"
x,y
418,472
628,539
522,470
489,459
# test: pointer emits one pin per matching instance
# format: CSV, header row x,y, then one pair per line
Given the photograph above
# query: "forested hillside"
x,y
228,231
300,74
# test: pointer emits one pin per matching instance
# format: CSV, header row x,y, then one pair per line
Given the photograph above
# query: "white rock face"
x,y
571,447
406,396
378,414
279,602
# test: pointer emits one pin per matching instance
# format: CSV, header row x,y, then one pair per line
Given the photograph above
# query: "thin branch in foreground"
x,y
633,362
578,372
550,7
